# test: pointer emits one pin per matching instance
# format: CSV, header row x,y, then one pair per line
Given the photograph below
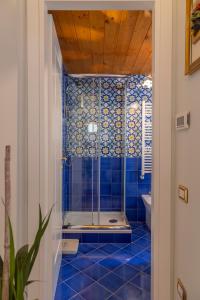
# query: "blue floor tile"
x,y
112,282
122,254
139,232
108,271
145,255
109,248
82,262
110,263
67,271
63,292
69,258
79,282
96,271
143,242
142,281
148,270
114,297
130,292
85,248
77,297
97,254
95,292
135,237
147,236
133,249
126,272
138,263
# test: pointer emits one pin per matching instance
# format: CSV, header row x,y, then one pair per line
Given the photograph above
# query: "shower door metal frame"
x,y
99,153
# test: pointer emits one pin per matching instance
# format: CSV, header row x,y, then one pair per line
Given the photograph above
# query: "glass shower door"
x,y
112,150
83,114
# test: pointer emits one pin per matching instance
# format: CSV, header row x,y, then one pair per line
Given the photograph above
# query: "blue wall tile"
x,y
132,164
131,190
141,215
106,175
117,203
117,176
131,177
106,238
90,238
116,189
105,203
106,189
132,202
132,214
116,163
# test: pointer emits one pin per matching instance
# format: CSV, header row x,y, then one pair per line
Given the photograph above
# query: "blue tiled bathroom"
x,y
107,166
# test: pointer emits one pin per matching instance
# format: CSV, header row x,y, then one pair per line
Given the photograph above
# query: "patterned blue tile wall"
x,y
118,136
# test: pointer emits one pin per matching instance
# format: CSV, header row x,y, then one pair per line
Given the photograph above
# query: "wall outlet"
x,y
181,290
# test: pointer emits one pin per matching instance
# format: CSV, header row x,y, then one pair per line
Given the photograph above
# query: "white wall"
x,y
11,96
51,152
44,145
187,219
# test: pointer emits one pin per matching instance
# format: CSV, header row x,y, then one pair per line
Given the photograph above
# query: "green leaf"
x,y
21,256
40,215
43,223
20,264
12,292
12,252
20,287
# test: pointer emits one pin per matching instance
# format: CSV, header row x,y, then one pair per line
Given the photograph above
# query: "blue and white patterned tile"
x,y
81,110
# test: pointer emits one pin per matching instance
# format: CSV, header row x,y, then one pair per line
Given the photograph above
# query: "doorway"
x,y
164,152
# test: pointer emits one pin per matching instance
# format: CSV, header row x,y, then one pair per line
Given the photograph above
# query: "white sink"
x,y
147,202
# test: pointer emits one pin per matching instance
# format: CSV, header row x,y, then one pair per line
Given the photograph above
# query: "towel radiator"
x,y
146,138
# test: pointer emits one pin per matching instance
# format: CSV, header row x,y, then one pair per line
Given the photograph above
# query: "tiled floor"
x,y
108,271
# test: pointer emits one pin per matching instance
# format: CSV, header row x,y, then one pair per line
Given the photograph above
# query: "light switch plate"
x,y
181,290
183,193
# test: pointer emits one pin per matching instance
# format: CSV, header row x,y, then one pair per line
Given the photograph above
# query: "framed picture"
x,y
192,48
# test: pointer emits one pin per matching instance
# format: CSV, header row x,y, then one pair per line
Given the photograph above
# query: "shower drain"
x,y
113,221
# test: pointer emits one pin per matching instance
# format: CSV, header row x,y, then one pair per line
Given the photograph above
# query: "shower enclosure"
x,y
94,148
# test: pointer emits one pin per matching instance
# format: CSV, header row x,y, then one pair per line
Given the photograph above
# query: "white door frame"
x,y
162,237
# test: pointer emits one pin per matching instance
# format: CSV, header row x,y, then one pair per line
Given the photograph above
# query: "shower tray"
x,y
79,225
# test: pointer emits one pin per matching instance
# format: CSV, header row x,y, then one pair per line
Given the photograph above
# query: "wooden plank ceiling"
x,y
105,42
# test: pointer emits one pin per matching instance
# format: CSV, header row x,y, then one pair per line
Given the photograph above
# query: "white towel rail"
x,y
146,138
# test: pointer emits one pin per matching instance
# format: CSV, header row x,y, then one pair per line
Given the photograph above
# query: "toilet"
x,y
147,202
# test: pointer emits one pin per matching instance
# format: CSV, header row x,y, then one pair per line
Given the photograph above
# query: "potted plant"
x,y
16,267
